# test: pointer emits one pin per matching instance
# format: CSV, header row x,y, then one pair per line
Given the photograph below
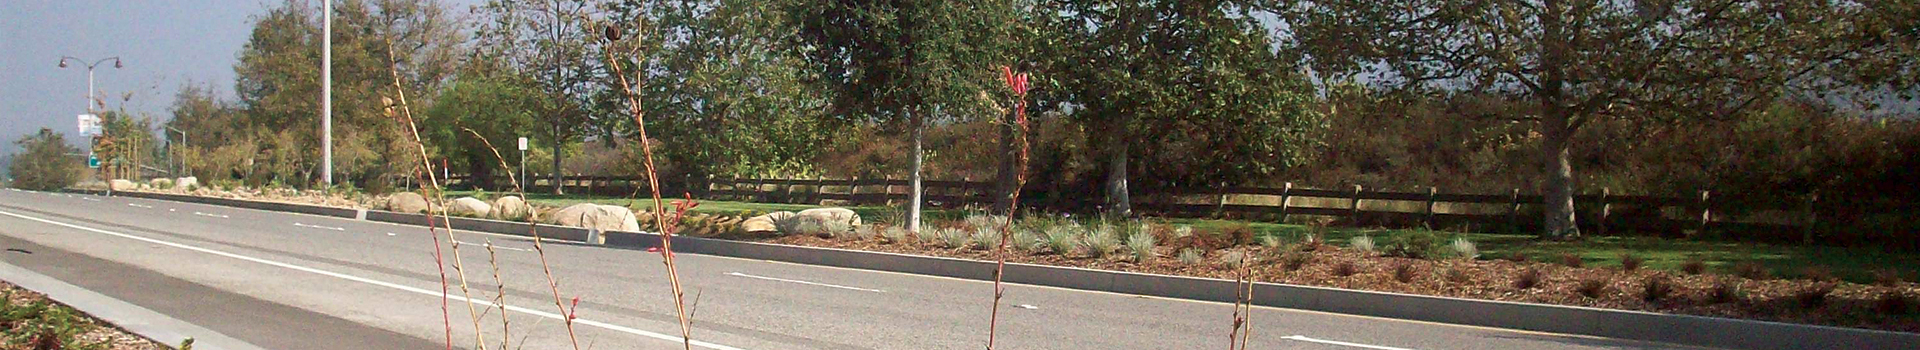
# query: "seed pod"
x,y
613,33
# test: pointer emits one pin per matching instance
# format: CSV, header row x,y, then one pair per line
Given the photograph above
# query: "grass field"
x,y
1856,264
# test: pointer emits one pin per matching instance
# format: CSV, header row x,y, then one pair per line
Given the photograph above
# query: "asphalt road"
x,y
292,281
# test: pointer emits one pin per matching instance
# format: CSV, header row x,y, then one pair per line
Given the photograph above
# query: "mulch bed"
x,y
98,332
1848,305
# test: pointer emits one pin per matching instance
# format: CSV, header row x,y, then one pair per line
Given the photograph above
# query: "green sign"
x,y
93,162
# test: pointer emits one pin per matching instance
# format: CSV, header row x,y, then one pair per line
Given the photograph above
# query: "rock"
x,y
470,207
186,182
161,183
598,217
765,223
511,208
122,184
831,215
407,202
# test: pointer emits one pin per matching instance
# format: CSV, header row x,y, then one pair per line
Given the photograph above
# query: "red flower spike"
x,y
653,250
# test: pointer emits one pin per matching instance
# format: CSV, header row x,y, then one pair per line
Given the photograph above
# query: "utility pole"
x,y
326,92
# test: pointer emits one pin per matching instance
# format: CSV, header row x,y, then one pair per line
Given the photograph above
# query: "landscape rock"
x,y
469,206
831,215
765,223
186,182
123,184
510,208
407,202
598,217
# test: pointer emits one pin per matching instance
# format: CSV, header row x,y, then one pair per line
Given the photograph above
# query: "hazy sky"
x,y
164,43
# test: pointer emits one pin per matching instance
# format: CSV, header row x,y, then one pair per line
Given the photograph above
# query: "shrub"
x,y
43,164
1888,278
1572,260
1694,266
1403,272
1239,232
1656,288
1294,261
1464,248
1527,279
1817,274
1141,245
894,234
1419,244
1815,295
1751,270
1345,268
1629,262
1894,302
1235,259
1592,287
1726,291
1456,275
1361,243
1190,256
1062,239
1100,241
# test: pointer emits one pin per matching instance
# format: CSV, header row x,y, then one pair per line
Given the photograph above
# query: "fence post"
x,y
1353,210
786,190
1431,191
1513,211
1813,218
1286,194
1606,208
1706,212
1220,203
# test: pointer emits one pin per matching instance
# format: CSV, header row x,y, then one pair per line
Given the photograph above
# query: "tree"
x,y
491,105
1199,81
548,40
906,61
1576,61
45,162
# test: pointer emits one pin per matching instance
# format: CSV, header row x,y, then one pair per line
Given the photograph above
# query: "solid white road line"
x,y
737,274
391,285
212,215
1340,343
91,199
137,205
486,244
319,227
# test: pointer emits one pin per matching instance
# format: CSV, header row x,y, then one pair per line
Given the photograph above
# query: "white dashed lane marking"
x,y
1340,343
319,227
737,274
210,215
138,205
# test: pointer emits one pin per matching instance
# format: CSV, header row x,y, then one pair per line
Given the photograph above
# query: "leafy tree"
x,y
1198,81
548,41
45,162
490,105
1577,61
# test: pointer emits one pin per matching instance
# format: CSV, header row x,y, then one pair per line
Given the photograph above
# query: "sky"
x,y
162,43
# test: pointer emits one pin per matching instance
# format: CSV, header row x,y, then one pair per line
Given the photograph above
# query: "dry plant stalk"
x,y
540,249
500,298
1242,304
667,224
1017,82
426,165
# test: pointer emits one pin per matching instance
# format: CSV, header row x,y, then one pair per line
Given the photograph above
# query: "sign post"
x,y
523,165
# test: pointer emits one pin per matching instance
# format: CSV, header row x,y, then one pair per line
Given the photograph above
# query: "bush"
x,y
1345,268
1239,232
1141,245
1572,260
1592,287
43,164
1628,262
1527,279
1190,256
1420,244
1694,266
1656,288
1361,243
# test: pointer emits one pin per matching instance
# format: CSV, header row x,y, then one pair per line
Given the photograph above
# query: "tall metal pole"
x,y
326,92
90,90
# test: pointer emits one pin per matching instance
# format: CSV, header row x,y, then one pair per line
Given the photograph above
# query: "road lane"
x,y
625,288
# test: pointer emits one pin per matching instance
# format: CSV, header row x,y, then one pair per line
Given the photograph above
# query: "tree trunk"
x,y
479,174
915,121
1118,203
1007,183
1558,189
557,173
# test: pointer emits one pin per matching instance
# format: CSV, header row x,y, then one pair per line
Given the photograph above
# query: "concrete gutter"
x,y
134,319
1619,324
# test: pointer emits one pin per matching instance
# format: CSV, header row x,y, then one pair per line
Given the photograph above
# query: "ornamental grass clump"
x,y
984,239
1100,241
1629,262
954,237
1464,248
1345,268
1140,244
1190,256
1527,279
1361,243
1592,287
894,234
1656,288
1062,239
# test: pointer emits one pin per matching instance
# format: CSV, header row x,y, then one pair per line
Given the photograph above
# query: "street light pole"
x,y
90,93
326,93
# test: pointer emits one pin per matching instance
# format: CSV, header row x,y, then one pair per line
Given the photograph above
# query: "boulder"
x,y
469,207
831,215
161,183
407,202
765,223
510,208
186,182
123,184
598,217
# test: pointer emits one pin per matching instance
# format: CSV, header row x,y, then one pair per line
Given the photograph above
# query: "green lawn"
x,y
1855,264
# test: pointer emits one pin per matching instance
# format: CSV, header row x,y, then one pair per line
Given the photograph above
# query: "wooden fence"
x,y
1598,213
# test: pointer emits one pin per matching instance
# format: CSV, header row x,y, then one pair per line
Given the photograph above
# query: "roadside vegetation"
x,y
30,321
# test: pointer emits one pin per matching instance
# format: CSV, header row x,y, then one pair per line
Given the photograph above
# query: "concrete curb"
x,y
1619,324
134,319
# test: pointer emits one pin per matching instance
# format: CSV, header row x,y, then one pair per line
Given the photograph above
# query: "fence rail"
x,y
1357,206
